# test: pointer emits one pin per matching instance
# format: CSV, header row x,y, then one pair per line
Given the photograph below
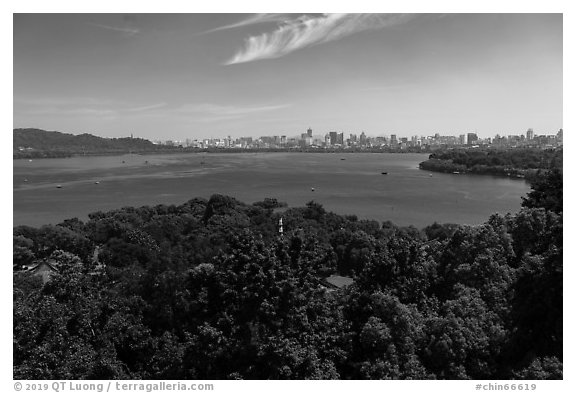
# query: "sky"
x,y
196,76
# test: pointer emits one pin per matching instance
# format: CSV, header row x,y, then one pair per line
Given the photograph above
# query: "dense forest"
x,y
35,143
521,162
211,290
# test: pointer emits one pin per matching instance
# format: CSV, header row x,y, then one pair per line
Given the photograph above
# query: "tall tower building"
x,y
333,138
472,137
309,132
530,134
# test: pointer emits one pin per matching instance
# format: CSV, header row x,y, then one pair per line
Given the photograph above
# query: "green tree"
x,y
547,191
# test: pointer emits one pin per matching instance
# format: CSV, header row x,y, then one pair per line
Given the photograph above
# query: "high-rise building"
x,y
340,139
472,138
309,132
393,140
363,138
463,139
530,134
306,140
333,138
560,135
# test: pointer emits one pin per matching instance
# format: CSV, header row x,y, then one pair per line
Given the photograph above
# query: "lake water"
x,y
346,183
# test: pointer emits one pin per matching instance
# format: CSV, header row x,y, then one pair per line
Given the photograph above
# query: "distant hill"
x,y
33,142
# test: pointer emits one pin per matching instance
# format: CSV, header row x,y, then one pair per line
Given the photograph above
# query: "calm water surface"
x,y
346,183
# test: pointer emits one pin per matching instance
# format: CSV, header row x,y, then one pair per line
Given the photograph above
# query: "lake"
x,y
345,183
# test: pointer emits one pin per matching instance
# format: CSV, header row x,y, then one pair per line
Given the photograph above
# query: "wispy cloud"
x,y
80,106
306,31
229,110
251,20
128,31
391,86
111,109
147,108
59,111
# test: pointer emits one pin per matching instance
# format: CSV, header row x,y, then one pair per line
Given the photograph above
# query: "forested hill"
x,y
33,142
520,162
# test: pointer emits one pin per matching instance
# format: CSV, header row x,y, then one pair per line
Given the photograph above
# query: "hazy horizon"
x,y
178,76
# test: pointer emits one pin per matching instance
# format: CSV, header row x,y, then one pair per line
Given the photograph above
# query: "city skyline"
x,y
323,134
354,140
213,75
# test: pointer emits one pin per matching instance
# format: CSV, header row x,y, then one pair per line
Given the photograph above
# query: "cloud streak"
x,y
252,20
229,110
307,31
128,31
147,108
80,106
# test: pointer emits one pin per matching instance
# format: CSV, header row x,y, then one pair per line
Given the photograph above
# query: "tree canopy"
x,y
211,290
